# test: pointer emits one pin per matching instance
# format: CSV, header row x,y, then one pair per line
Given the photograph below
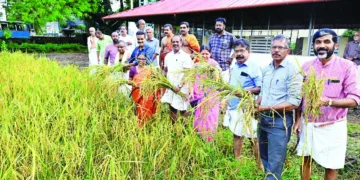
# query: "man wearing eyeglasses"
x,y
280,94
154,44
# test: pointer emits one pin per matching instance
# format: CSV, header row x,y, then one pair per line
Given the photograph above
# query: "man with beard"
x,y
141,49
154,44
248,75
129,40
280,95
103,42
166,45
92,42
111,50
221,44
176,61
190,44
324,139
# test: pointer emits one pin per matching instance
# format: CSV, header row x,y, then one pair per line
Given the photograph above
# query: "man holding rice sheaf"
x,y
246,74
324,138
175,61
280,95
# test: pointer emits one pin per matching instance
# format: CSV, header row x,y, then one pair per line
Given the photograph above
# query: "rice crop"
x,y
58,123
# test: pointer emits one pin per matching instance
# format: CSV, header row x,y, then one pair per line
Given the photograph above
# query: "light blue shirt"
x,y
247,75
154,44
281,84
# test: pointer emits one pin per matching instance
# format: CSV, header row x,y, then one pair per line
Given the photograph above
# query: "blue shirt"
x,y
221,48
281,84
147,50
247,75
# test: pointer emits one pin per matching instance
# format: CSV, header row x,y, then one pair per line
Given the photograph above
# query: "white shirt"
x,y
176,62
128,38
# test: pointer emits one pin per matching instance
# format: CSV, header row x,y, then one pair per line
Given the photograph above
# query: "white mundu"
x,y
176,62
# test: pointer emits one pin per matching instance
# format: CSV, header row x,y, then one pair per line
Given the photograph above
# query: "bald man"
x,y
91,43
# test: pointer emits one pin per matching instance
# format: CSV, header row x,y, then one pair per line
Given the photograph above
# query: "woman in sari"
x,y
206,116
145,106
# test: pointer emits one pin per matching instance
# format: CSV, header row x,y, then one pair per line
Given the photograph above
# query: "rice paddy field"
x,y
59,122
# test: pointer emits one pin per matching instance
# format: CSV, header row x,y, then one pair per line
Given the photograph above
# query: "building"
x,y
257,21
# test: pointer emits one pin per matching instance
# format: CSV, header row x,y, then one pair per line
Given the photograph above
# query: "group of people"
x,y
278,88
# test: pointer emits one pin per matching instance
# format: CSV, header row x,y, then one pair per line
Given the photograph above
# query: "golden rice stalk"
x,y
103,71
157,81
113,82
312,90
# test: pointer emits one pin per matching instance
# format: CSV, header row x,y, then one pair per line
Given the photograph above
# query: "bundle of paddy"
x,y
112,83
225,91
103,71
203,69
312,90
156,82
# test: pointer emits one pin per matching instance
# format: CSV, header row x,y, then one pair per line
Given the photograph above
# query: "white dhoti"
x,y
233,119
175,100
93,57
324,142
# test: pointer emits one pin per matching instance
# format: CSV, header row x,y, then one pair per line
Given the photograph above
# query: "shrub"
x,y
46,48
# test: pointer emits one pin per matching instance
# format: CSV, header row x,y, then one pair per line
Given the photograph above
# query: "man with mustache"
x,y
141,49
166,45
129,40
221,44
102,43
352,51
246,74
154,44
111,50
176,61
324,139
190,44
280,95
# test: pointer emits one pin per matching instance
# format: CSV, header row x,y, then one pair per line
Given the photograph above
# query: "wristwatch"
x,y
330,103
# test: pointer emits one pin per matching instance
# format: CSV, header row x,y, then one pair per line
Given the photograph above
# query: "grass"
x,y
59,123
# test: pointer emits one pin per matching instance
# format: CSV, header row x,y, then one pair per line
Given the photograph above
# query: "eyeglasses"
x,y
141,59
280,48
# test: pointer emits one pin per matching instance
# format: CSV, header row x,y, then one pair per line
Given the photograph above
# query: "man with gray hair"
x,y
280,95
111,50
103,42
129,40
153,43
91,43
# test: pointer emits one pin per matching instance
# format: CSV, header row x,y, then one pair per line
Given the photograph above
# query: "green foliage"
x,y
3,46
350,32
82,27
7,34
46,48
292,46
40,12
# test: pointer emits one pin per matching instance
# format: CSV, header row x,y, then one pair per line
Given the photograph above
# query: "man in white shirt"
x,y
175,61
129,40
92,43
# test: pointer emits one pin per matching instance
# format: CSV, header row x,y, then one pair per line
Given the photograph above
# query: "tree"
x,y
39,12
